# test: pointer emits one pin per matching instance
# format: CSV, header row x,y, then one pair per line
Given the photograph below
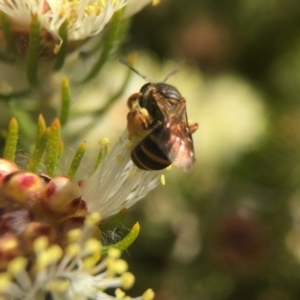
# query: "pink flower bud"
x,y
62,195
23,188
6,167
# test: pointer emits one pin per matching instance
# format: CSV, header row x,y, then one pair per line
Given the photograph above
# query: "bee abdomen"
x,y
148,156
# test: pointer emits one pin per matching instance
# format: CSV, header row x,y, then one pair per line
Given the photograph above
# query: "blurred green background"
x,y
229,229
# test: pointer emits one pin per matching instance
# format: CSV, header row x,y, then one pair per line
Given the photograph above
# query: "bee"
x,y
157,124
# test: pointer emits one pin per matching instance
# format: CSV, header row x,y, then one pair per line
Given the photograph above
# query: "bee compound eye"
x,y
145,87
169,91
173,94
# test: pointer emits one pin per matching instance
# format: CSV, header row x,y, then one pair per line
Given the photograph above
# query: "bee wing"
x,y
176,142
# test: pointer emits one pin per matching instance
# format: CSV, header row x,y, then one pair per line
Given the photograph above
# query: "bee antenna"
x,y
127,64
170,75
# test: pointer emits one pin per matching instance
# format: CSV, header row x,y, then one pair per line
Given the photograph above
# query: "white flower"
x,y
77,272
118,183
85,18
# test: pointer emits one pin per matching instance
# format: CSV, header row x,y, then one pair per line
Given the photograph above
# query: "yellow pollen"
x,y
74,235
92,219
119,293
103,3
5,281
116,2
114,253
120,266
127,280
17,265
72,250
55,253
42,261
40,244
88,263
120,158
92,246
163,179
148,295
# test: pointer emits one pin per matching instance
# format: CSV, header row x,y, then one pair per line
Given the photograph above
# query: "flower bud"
x,y
62,195
35,230
14,222
6,167
23,188
9,249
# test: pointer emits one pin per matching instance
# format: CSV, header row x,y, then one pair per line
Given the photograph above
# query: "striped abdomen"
x,y
147,155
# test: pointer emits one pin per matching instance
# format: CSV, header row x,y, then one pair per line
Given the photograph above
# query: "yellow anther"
x,y
17,265
40,244
114,253
5,281
127,280
120,266
92,219
119,293
163,179
74,235
92,246
72,250
148,295
55,253
88,263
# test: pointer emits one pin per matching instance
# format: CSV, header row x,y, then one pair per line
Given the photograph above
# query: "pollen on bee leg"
x,y
120,158
163,179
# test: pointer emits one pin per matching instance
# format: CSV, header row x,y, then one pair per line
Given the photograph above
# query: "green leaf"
x,y
61,55
54,147
27,125
7,33
36,158
65,101
113,35
127,240
11,140
41,127
76,160
33,50
103,152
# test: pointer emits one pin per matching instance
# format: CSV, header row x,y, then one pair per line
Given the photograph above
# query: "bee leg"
x,y
133,99
193,127
137,122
